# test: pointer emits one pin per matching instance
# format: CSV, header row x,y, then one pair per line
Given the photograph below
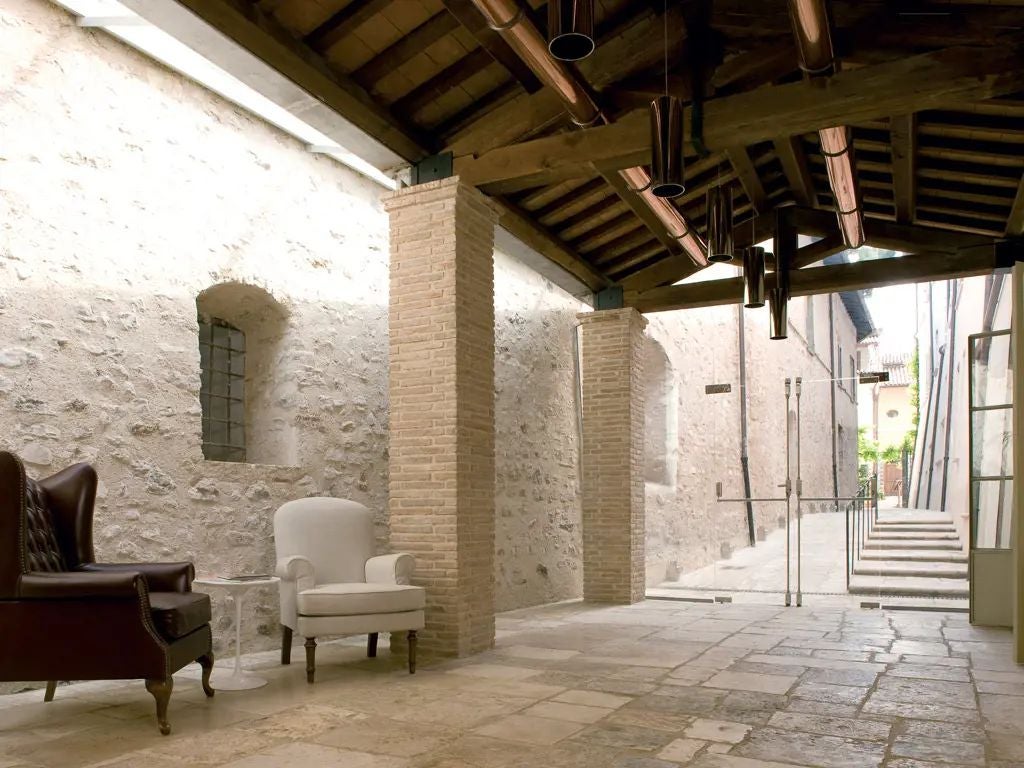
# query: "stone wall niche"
x,y
661,416
269,395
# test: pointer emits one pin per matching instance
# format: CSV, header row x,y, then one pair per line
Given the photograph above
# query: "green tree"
x,y
913,367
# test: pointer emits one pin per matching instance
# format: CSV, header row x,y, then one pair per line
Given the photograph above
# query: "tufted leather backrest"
x,y
42,552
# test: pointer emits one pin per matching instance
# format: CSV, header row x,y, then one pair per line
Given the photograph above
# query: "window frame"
x,y
222,383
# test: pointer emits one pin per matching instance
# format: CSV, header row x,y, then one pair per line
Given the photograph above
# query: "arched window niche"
x,y
661,416
243,393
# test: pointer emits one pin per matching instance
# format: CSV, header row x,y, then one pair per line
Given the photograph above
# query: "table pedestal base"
x,y
238,680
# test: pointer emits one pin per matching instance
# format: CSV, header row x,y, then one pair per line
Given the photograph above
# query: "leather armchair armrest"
x,y
160,577
64,585
390,569
296,568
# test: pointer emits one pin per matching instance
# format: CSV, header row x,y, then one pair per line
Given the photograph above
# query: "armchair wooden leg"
x,y
161,690
310,658
206,662
412,651
371,645
51,686
286,644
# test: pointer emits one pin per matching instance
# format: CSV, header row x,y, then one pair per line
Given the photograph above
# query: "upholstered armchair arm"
x,y
296,568
390,569
296,574
160,577
76,585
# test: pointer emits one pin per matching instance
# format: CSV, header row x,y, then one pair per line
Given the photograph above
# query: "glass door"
x,y
991,477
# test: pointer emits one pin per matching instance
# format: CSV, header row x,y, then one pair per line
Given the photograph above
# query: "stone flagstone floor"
x,y
655,685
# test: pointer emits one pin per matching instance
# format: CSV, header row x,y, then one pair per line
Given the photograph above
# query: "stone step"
x,y
915,535
926,527
915,555
884,519
908,585
952,545
926,569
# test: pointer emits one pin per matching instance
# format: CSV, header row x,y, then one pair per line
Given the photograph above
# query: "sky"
x,y
894,312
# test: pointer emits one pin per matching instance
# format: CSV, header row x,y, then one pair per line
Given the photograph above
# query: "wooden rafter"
x,y
811,254
914,83
546,244
617,56
904,158
1015,224
887,234
794,166
438,85
269,41
397,54
343,22
491,42
747,174
857,276
646,215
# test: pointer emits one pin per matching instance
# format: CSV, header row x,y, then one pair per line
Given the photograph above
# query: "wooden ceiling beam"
x,y
794,164
445,80
343,23
268,40
904,153
407,46
749,179
543,242
1015,223
909,238
644,212
469,16
911,84
811,254
858,276
621,52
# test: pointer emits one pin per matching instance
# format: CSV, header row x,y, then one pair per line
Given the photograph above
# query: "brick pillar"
x,y
611,348
441,324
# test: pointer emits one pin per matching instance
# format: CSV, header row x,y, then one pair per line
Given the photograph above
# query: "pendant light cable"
x,y
664,28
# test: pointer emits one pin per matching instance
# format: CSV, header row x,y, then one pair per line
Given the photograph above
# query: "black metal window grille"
x,y
222,389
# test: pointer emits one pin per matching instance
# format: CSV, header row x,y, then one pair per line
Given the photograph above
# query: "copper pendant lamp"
x,y
753,277
719,213
667,166
778,308
570,29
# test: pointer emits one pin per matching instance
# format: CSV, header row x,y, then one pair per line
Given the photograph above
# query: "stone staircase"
x,y
912,553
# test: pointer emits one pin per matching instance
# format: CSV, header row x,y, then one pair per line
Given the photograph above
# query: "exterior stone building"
x,y
133,202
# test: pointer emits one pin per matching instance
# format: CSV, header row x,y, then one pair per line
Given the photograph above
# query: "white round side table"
x,y
239,679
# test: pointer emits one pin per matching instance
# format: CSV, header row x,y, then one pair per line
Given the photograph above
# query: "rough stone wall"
x,y
126,191
539,556
687,528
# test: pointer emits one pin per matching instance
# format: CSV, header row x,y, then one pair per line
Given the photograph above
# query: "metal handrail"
x,y
861,517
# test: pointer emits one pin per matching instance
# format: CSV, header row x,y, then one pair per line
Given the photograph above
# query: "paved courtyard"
x,y
655,685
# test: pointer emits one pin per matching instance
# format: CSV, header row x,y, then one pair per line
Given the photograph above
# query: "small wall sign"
x,y
717,389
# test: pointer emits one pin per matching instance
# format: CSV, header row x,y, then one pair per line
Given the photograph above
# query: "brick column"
x,y
611,348
441,324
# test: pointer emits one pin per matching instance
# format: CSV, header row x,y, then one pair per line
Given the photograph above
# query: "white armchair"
x,y
331,582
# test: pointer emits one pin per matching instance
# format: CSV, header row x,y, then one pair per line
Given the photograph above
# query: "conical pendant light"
x,y
667,147
719,213
571,29
778,308
667,167
753,277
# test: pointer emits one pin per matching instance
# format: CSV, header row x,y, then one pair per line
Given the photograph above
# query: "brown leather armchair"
x,y
66,617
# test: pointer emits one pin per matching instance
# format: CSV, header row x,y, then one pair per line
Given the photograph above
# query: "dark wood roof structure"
x,y
932,92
